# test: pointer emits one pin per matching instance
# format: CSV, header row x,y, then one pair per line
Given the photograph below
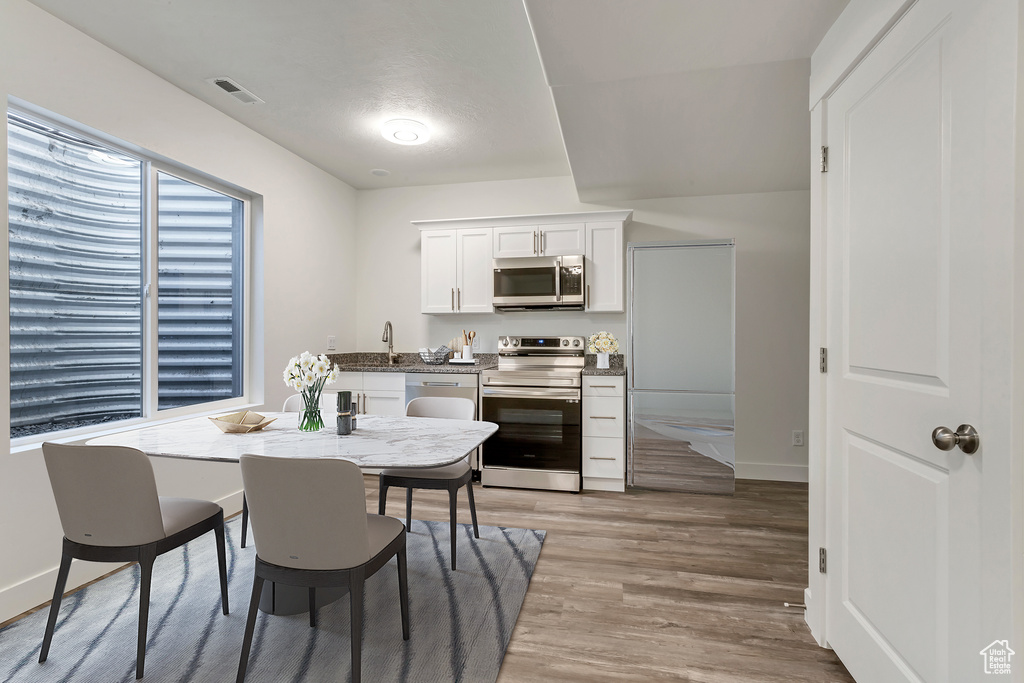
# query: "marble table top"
x,y
378,441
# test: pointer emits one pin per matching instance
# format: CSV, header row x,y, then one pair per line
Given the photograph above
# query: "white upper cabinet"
x,y
474,283
604,267
559,239
515,241
563,239
438,251
456,275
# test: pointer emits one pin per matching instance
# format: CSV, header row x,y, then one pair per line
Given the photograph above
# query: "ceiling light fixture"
x,y
405,132
382,172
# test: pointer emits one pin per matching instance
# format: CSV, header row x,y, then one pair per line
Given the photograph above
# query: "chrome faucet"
x,y
389,338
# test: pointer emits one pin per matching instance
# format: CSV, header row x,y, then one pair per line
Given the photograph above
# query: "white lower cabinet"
x,y
375,393
604,433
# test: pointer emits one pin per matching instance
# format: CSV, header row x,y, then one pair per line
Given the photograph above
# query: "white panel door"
x,y
516,241
475,286
909,288
604,267
437,271
565,239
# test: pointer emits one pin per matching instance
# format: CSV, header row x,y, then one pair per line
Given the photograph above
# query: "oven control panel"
x,y
512,345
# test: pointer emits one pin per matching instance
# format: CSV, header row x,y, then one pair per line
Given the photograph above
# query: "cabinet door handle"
x,y
459,298
453,298
602,417
588,296
535,243
542,242
602,386
595,457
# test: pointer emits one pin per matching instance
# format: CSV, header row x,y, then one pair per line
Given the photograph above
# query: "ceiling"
x,y
638,98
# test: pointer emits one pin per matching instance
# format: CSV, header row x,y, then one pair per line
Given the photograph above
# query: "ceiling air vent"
x,y
234,89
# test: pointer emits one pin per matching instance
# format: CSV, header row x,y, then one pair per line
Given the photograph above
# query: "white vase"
x,y
602,361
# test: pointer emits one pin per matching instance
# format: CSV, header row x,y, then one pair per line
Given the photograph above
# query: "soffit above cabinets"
x,y
662,98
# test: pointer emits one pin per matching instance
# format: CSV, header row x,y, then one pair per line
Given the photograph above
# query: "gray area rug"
x,y
461,621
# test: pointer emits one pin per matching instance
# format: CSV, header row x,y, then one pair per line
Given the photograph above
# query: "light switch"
x,y
332,343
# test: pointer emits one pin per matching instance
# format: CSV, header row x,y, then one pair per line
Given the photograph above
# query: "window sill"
x,y
28,443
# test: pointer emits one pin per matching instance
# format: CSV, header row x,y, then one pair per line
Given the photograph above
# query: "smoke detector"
x,y
234,89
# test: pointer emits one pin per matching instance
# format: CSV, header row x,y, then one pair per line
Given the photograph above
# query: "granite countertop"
x,y
616,366
408,362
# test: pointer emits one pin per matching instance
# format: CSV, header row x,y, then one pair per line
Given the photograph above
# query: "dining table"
x,y
378,441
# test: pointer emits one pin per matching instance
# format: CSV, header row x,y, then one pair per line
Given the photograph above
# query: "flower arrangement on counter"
x,y
309,374
603,342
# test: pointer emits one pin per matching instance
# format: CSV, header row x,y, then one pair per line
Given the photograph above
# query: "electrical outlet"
x,y
798,437
332,343
476,343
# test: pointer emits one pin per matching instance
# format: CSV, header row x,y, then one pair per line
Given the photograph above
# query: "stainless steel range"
x,y
534,397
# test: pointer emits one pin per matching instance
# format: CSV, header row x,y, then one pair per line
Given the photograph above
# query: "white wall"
x,y
306,231
772,285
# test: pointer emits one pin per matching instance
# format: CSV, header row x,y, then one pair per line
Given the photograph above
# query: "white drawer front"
x,y
383,403
604,386
383,381
603,416
604,457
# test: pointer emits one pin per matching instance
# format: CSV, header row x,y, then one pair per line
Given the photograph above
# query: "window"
x,y
117,312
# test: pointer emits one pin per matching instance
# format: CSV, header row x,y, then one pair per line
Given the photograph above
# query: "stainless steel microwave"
x,y
541,282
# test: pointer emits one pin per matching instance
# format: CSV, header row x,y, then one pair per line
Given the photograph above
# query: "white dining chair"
x,y
450,477
110,512
312,530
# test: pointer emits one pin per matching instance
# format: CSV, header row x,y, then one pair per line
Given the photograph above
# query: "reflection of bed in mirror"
x,y
683,455
681,370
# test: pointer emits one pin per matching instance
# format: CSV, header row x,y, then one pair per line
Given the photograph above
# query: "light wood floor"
x,y
656,586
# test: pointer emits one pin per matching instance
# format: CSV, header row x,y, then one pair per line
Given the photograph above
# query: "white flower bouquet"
x,y
603,342
309,374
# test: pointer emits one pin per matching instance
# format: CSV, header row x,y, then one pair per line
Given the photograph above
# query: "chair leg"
x,y
408,508
250,625
312,607
58,593
403,590
222,565
147,557
245,518
472,508
355,592
382,497
453,521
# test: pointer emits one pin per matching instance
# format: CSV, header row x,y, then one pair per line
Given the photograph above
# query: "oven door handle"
x,y
528,392
548,382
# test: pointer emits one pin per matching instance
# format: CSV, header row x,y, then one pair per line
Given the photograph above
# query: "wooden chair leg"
x,y
312,607
472,508
355,591
382,497
250,626
408,508
403,590
147,557
453,520
58,593
222,564
245,518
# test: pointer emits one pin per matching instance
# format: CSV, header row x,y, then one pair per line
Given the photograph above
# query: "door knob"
x,y
965,436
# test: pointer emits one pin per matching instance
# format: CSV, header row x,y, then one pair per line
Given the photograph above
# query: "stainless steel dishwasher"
x,y
456,385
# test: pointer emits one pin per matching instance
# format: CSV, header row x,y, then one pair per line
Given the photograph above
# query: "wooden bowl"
x,y
241,423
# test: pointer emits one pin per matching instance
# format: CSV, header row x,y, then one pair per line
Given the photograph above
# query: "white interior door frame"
x,y
861,27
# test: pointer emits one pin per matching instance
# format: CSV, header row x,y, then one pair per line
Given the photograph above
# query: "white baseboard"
x,y
37,590
603,484
752,470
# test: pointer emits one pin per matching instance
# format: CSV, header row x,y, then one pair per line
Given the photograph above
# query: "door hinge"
x,y
824,159
822,563
823,359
